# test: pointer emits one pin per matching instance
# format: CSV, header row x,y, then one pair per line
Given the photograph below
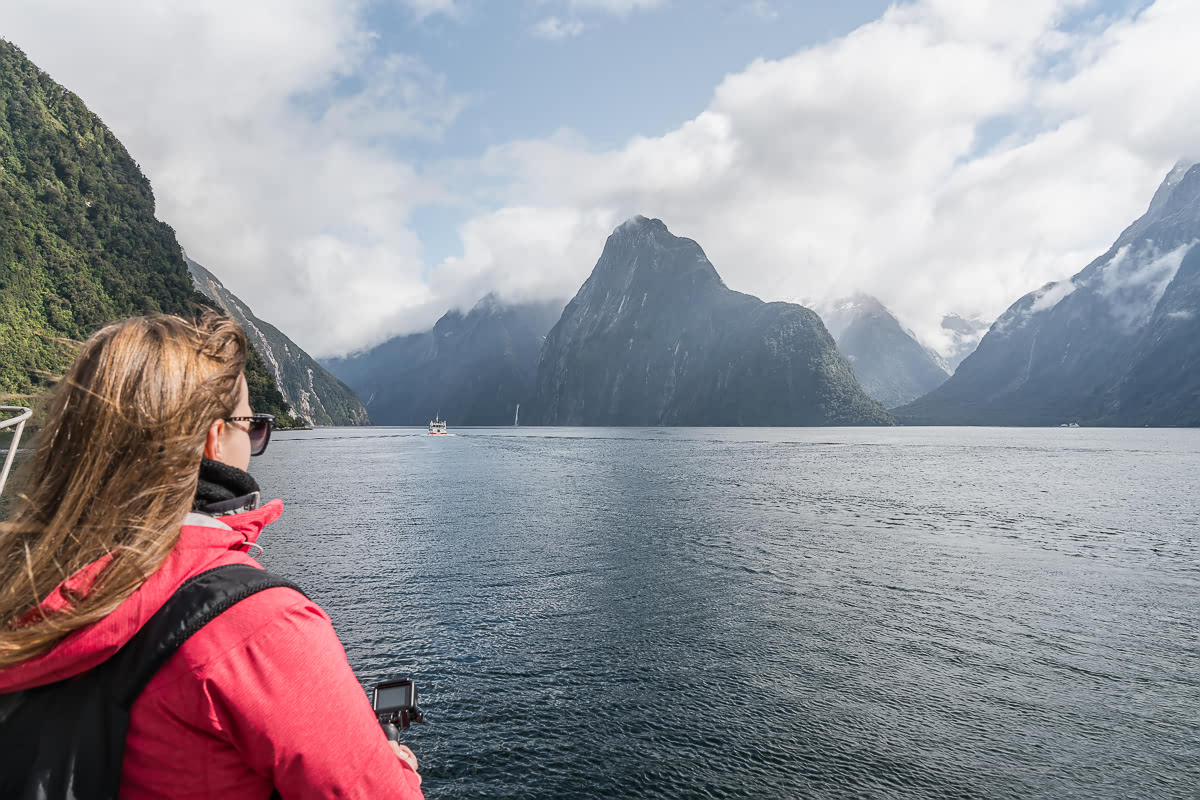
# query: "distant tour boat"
x,y
437,427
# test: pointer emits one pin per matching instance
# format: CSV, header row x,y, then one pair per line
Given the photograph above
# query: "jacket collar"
x,y
224,489
234,528
199,531
204,541
234,505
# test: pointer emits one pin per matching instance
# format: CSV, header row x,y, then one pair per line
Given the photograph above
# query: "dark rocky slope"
x,y
1114,345
890,364
316,396
79,244
473,368
654,337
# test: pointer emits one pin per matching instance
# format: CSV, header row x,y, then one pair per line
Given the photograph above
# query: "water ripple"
x,y
765,613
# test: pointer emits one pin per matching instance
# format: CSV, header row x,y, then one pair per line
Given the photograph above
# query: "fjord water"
x,y
765,613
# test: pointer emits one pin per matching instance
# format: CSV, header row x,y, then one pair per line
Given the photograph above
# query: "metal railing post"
x,y
19,423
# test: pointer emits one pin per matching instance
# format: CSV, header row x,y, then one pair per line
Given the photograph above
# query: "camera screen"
x,y
393,696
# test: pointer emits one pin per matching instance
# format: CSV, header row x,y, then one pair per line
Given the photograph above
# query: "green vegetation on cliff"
x,y
79,244
315,396
265,397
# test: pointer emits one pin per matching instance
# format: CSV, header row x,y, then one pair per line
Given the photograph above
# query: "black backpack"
x,y
67,739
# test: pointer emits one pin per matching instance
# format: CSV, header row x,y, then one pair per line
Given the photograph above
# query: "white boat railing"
x,y
18,425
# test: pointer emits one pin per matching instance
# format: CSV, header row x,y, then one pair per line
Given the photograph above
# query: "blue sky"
x,y
641,73
644,72
354,168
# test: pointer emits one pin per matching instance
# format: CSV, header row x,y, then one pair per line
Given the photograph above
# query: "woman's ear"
x,y
212,440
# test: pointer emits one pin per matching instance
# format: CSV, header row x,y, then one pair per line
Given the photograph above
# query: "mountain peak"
x,y
1181,168
862,303
840,313
653,337
474,367
638,223
1108,346
1180,185
643,251
490,303
889,362
1179,191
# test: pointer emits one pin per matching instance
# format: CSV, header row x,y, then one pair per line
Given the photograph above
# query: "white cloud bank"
x,y
1136,279
265,129
948,156
618,7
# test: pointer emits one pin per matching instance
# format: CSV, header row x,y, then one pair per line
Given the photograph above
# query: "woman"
x,y
152,422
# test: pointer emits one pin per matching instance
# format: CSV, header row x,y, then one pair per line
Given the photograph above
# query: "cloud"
x,y
1135,279
266,129
403,99
946,157
427,8
1051,295
535,239
618,7
556,29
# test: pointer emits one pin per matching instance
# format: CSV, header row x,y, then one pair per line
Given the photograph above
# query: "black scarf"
x,y
224,489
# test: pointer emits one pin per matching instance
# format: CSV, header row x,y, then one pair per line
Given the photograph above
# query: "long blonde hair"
x,y
115,470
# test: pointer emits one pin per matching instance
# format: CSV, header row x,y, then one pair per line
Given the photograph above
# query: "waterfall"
x,y
517,417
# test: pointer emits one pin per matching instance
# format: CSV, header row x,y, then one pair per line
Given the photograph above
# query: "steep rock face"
x,y
79,243
1108,346
472,369
654,337
314,394
1162,386
890,364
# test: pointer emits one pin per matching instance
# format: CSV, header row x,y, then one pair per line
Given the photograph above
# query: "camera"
x,y
395,704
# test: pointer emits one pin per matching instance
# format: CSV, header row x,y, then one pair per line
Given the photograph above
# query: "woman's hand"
x,y
407,756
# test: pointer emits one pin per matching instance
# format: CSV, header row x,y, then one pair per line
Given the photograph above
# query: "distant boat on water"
x,y
437,426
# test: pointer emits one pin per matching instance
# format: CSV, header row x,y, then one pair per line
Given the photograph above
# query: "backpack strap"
x,y
67,739
200,600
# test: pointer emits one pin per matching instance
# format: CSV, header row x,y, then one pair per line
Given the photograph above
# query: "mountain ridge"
x,y
888,361
80,245
1072,350
315,395
686,360
473,368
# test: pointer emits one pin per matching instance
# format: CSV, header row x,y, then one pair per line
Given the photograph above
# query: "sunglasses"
x,y
258,429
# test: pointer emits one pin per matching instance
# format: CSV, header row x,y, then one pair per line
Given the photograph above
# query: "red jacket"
x,y
261,698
